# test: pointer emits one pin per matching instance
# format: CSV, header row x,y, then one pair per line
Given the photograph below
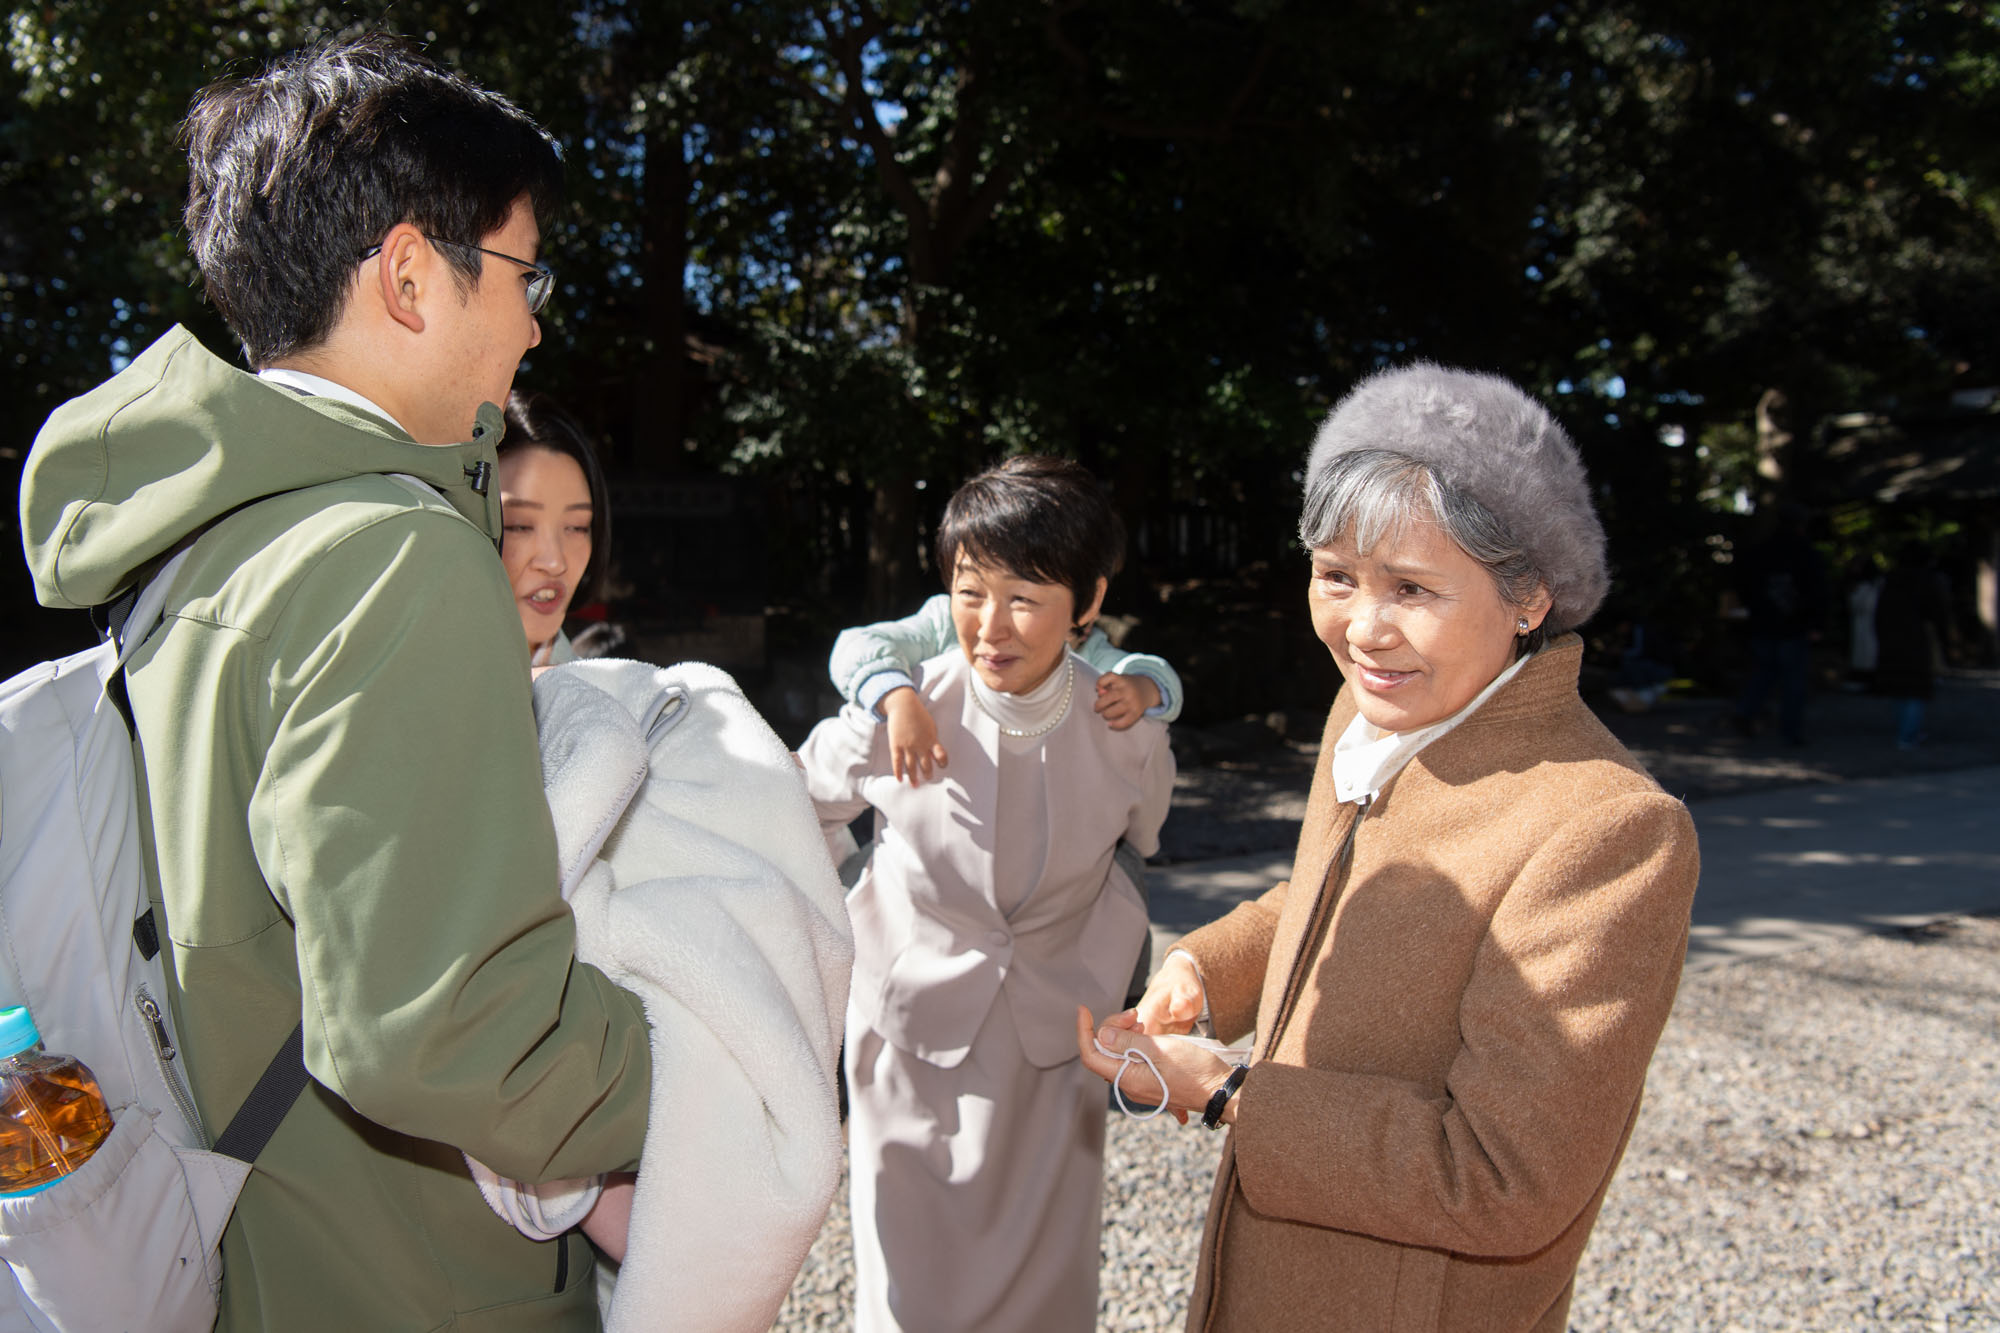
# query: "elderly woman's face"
x,y
1013,630
1416,625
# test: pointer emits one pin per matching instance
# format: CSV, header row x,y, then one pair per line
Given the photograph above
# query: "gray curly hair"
x,y
1483,460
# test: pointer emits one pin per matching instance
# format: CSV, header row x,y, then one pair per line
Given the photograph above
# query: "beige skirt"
x,y
976,1190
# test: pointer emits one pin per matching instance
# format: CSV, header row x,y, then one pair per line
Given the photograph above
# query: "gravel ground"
x,y
1839,1173
1820,1147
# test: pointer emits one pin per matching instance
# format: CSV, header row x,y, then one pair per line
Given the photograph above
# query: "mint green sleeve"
x,y
399,820
1100,652
895,646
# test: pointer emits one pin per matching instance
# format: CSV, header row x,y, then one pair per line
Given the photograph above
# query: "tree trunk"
x,y
892,549
662,389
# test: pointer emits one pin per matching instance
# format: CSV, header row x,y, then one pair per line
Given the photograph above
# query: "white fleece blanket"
x,y
693,862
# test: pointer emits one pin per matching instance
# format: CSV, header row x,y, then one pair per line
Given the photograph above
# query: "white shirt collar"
x,y
1366,757
321,387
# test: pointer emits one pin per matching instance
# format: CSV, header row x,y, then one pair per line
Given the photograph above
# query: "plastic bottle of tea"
x,y
52,1113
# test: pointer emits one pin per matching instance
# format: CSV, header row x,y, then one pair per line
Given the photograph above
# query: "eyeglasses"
x,y
540,287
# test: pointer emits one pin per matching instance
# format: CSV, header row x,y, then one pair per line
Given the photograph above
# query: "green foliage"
x,y
846,248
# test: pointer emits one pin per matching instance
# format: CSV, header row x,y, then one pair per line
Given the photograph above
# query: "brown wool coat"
x,y
1452,1033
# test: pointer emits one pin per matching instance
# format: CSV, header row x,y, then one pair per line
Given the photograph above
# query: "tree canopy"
x,y
855,249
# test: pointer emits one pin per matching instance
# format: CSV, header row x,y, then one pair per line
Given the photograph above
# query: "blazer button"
x,y
999,939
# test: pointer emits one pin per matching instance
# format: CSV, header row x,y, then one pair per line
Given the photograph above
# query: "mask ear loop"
x,y
1126,1058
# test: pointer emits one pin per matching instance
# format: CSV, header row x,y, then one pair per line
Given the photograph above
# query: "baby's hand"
x,y
913,742
611,1217
1124,699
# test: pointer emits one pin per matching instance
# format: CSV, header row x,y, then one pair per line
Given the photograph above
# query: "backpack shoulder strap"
x,y
269,1101
128,620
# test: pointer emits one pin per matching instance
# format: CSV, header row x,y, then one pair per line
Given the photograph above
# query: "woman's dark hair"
x,y
1039,518
535,422
293,174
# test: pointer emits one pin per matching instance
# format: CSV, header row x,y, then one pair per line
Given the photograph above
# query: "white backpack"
x,y
131,1240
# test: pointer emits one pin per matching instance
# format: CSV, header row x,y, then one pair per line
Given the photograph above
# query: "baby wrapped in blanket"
x,y
693,863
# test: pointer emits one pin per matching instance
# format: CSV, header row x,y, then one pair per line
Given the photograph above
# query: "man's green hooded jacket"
x,y
344,794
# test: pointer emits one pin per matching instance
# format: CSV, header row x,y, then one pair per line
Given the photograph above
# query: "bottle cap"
x,y
17,1031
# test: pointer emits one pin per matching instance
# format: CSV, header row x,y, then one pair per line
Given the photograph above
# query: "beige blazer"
x,y
1453,1030
932,947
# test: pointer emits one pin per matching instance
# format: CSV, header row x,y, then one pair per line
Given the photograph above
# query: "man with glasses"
x,y
338,749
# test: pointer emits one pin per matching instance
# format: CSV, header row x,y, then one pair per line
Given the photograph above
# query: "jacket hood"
x,y
180,438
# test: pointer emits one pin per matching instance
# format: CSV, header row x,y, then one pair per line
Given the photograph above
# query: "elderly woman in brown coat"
x,y
1456,995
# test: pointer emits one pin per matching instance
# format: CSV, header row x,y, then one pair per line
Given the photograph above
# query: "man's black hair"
x,y
295,173
1037,517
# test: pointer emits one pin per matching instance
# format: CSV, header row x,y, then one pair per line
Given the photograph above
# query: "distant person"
x,y
1456,996
556,520
874,665
1782,582
1864,590
996,899
1644,667
1912,617
334,719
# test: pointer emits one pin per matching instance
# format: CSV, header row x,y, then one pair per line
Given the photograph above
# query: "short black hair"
x,y
1037,517
293,174
534,421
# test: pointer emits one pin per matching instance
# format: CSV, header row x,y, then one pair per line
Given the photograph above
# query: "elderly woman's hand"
x,y
1173,998
1192,1073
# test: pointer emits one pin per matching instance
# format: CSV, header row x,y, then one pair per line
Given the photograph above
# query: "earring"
x,y
1521,625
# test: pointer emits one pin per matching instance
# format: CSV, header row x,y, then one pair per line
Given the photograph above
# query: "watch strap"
x,y
1212,1115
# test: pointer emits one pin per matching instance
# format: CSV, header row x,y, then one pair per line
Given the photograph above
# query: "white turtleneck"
x,y
1037,710
1020,803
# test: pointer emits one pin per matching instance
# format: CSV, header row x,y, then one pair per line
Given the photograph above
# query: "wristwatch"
x,y
1212,1116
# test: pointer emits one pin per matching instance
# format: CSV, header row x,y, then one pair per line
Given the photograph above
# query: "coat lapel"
x,y
979,783
1308,900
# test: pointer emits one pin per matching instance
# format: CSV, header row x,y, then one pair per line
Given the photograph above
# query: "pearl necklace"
x,y
1061,709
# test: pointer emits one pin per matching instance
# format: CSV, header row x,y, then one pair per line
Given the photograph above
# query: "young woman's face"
x,y
545,509
1013,630
1416,625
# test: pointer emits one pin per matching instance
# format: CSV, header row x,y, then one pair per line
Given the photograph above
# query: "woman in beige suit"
x,y
991,904
1456,996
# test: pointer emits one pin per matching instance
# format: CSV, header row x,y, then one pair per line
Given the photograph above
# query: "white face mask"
x,y
1132,1055
1126,1058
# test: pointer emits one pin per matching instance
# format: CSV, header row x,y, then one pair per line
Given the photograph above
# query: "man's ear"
x,y
404,271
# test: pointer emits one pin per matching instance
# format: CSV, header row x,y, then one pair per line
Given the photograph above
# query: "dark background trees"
x,y
838,255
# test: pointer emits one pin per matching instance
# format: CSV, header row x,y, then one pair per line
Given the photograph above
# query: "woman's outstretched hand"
x,y
1191,1073
1173,998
